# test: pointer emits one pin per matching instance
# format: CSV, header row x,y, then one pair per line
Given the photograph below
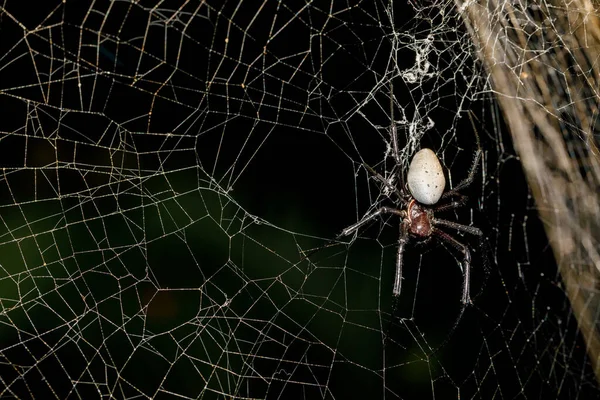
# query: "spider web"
x,y
174,176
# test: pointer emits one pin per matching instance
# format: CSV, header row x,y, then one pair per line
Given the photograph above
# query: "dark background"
x,y
167,170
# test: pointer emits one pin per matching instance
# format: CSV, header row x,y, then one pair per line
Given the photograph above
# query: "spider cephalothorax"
x,y
417,207
419,220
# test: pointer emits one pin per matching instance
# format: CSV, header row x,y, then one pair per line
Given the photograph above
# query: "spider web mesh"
x,y
174,172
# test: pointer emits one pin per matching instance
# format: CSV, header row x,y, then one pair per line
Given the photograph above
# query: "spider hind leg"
x,y
466,298
402,241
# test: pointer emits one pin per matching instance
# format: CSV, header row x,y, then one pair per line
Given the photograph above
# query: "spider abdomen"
x,y
425,177
420,220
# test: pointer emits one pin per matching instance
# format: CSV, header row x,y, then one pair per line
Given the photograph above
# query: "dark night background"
x,y
133,262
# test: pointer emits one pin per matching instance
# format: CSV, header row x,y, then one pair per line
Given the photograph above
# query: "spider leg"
x,y
468,180
466,263
394,142
460,201
393,130
402,241
384,182
369,217
459,227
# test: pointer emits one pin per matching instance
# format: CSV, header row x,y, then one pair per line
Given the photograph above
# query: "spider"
x,y
417,207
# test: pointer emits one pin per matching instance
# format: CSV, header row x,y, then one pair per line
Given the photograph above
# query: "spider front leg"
x,y
468,180
369,217
402,241
466,263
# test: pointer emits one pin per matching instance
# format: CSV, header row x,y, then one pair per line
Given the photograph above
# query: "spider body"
x,y
419,220
417,206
